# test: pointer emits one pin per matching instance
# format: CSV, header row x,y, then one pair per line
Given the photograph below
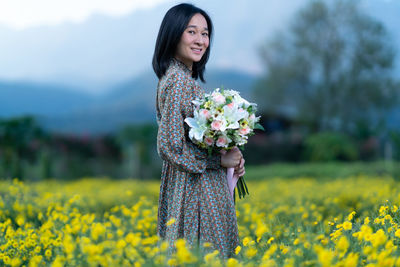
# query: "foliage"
x,y
322,170
30,153
18,138
352,221
329,146
138,145
395,137
332,69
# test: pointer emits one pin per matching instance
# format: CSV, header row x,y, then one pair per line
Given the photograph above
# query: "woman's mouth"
x,y
197,50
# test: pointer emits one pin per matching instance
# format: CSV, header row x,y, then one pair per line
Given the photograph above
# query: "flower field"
x,y
352,221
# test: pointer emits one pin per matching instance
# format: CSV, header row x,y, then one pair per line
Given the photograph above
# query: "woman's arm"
x,y
172,144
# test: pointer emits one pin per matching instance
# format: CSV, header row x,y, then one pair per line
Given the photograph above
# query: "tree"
x,y
331,70
138,145
18,136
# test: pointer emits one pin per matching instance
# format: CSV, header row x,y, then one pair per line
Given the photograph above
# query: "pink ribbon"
x,y
231,177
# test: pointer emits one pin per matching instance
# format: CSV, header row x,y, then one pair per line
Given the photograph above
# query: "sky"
x,y
91,44
23,14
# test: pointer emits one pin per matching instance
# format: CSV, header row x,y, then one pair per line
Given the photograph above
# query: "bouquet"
x,y
223,120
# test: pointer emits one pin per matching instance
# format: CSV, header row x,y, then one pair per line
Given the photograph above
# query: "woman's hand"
x,y
239,169
231,158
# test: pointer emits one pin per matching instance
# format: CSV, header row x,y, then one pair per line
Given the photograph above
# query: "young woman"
x,y
194,200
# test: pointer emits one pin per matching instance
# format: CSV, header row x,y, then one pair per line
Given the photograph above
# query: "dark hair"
x,y
172,27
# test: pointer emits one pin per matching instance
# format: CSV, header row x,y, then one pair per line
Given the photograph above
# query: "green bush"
x,y
323,170
329,146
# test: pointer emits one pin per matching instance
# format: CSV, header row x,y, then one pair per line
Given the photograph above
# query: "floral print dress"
x,y
194,193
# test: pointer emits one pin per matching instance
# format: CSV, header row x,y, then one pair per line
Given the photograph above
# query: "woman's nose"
x,y
199,39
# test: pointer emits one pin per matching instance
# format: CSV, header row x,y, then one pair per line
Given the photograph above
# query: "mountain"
x,y
19,98
133,101
231,79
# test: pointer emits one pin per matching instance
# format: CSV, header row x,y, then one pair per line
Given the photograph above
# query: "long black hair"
x,y
172,27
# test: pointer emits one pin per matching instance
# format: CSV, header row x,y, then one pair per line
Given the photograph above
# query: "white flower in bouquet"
x,y
198,126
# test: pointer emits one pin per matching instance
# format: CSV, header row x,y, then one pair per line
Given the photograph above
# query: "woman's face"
x,y
194,41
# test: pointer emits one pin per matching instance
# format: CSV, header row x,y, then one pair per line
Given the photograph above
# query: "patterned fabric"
x,y
194,189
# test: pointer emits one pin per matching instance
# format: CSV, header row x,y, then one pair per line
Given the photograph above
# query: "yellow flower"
x,y
231,262
238,249
35,260
379,238
289,263
171,221
397,233
246,241
251,252
351,216
325,256
351,260
121,244
347,225
382,210
270,251
342,244
15,262
97,230
207,245
7,260
211,257
164,246
261,229
183,254
48,253
20,220
268,263
172,262
367,250
298,252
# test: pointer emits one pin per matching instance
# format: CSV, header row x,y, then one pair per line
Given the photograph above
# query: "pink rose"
x,y
209,141
220,99
222,141
231,105
244,131
205,113
216,125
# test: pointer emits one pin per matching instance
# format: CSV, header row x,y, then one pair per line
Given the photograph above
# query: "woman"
x,y
194,201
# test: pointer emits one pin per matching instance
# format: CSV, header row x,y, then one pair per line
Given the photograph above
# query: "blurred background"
x,y
77,91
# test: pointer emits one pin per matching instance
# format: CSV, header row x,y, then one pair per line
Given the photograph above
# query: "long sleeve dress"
x,y
194,189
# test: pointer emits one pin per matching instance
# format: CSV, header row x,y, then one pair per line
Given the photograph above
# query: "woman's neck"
x,y
187,64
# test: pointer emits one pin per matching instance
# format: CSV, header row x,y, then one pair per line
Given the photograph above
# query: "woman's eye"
x,y
191,32
205,34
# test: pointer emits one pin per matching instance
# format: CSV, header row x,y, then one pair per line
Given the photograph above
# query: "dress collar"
x,y
182,66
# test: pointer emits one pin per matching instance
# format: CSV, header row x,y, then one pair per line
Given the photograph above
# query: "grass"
x,y
323,170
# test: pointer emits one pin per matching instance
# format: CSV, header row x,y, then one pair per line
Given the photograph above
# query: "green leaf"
x,y
259,126
209,151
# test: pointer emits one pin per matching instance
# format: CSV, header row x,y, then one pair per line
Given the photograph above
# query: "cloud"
x,y
22,14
